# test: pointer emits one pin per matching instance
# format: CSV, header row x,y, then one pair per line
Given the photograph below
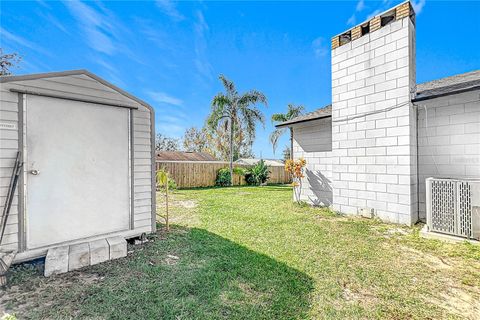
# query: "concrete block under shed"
x,y
118,247
99,251
366,212
79,256
56,261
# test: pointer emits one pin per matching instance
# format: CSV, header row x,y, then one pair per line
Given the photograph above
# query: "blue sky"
x,y
171,53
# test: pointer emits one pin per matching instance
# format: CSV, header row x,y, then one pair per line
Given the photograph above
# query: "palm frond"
x,y
279,117
294,111
252,97
229,86
274,136
220,109
253,114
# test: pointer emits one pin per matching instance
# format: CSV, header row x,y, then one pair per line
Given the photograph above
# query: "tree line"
x,y
229,131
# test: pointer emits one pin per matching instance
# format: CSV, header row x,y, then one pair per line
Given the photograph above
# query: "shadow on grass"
x,y
187,274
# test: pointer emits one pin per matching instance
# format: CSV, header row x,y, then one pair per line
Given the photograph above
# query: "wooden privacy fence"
x,y
191,174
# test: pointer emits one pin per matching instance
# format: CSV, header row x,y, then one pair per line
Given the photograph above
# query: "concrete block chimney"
x,y
373,120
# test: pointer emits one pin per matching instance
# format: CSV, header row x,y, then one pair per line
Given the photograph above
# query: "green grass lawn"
x,y
250,253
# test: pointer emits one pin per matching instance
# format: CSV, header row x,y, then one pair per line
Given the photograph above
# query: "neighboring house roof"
x,y
449,85
268,162
314,115
428,90
183,156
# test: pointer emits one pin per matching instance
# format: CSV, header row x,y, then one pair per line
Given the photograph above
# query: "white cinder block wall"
x,y
313,142
373,121
448,139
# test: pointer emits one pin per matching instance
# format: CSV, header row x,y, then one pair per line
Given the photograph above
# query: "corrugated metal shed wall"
x,y
80,86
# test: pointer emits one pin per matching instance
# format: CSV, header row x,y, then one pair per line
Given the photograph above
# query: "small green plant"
x,y
172,185
164,182
7,316
258,174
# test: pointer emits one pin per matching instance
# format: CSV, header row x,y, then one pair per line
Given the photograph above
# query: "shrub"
x,y
240,171
223,176
258,174
296,168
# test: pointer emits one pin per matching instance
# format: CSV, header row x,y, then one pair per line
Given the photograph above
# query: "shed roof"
x,y
428,90
80,72
183,156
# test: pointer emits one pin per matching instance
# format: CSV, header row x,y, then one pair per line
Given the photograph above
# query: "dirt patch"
x,y
21,298
171,259
187,204
431,261
390,231
360,296
458,301
396,232
448,292
244,193
356,295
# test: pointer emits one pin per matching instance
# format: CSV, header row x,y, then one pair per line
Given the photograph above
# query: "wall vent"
x,y
365,29
387,18
453,207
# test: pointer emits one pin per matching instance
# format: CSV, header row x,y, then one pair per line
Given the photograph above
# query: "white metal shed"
x,y
88,153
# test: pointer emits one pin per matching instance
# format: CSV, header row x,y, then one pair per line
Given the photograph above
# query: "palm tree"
x,y
236,111
292,112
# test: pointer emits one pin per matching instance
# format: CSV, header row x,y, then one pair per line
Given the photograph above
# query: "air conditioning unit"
x,y
453,207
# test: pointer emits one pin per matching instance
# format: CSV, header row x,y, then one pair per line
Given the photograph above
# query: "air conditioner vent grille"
x,y
465,209
443,206
450,206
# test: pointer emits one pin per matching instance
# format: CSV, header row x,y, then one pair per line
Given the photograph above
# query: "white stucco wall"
x,y
448,139
313,142
374,124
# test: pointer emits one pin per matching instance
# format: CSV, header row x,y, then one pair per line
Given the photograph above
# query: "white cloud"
x,y
109,72
22,42
373,14
102,30
358,8
320,47
95,26
42,3
201,61
418,6
168,7
173,119
352,20
51,19
360,5
171,130
162,97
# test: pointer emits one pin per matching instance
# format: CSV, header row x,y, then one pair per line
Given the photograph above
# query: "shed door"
x,y
81,153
